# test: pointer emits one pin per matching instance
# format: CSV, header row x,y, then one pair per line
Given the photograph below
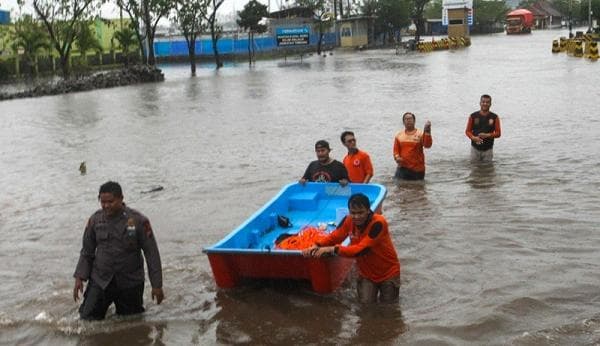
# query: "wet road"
x,y
500,254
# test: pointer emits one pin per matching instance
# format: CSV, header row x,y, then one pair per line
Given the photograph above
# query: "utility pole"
x,y
570,18
589,16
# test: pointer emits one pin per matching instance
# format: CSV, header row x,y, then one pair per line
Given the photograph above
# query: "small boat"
x,y
249,251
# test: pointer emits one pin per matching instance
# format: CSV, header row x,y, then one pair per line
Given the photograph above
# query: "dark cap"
x,y
322,144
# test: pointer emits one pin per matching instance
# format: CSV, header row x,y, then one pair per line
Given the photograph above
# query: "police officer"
x,y
111,258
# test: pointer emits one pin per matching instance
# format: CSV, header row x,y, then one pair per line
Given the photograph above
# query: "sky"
x,y
111,11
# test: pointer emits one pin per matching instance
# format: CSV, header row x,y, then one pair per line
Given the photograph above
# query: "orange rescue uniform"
x,y
409,146
372,246
358,166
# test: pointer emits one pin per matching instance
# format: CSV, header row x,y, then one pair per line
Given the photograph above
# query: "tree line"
x,y
60,25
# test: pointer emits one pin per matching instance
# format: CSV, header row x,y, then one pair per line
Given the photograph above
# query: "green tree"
x,y
146,14
392,16
127,38
433,10
488,12
61,18
323,19
189,16
32,38
86,40
215,29
417,15
249,19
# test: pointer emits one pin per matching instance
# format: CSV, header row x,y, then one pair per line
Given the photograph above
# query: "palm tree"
x,y
127,39
30,36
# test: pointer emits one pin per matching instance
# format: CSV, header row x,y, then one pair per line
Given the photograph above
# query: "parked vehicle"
x,y
519,21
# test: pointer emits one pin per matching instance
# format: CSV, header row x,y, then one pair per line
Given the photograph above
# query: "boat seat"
x,y
303,201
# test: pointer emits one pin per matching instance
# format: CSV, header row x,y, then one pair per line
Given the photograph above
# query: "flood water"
x,y
495,254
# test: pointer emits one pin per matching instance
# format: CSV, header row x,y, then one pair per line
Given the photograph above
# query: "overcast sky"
x,y
110,10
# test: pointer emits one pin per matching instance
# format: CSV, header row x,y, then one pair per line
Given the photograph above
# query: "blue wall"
x,y
4,17
227,45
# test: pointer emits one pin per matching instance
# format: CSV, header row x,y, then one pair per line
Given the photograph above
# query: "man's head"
x,y
348,140
322,149
359,208
408,119
111,198
485,102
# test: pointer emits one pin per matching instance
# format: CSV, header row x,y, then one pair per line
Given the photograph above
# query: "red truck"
x,y
519,21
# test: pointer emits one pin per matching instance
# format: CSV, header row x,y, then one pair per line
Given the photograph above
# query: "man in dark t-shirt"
x,y
325,169
482,127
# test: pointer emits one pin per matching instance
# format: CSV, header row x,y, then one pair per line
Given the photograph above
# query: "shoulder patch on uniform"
x,y
147,229
375,230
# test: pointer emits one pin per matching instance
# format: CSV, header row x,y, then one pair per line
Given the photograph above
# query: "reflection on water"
x,y
482,175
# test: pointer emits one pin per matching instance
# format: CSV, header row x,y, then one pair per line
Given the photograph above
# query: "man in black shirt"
x,y
325,169
483,126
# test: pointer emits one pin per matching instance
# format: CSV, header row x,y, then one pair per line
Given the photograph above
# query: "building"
x,y
546,16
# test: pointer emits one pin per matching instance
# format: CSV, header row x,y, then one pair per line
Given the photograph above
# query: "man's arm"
x,y
152,255
86,259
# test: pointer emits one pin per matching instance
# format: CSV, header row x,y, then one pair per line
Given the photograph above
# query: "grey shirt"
x,y
112,250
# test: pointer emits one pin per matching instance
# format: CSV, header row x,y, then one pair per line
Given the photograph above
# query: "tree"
x,y
418,9
86,40
189,15
61,17
32,38
434,9
249,19
322,18
215,29
146,14
489,13
126,38
392,16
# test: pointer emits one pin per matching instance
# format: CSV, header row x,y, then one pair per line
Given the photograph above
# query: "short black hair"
x,y
111,187
344,134
486,96
413,116
359,200
322,144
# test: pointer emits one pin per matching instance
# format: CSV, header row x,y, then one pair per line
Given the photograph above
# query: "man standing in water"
x,y
371,245
482,127
357,162
111,258
325,169
408,149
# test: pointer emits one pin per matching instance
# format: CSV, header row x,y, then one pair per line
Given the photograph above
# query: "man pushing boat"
x,y
371,245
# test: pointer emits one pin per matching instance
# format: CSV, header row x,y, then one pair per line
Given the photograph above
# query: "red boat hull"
x,y
325,274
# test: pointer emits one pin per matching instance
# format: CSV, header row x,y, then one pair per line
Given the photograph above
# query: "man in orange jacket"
x,y
371,245
408,149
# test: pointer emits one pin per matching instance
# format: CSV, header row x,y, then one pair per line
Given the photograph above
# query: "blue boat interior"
x,y
310,205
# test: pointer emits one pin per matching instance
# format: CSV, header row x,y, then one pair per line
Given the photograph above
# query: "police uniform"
x,y
111,259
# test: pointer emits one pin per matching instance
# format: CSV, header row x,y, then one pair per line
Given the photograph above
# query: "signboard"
x,y
446,4
292,36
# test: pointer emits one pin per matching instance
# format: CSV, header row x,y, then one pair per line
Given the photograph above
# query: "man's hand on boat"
x,y
343,182
318,251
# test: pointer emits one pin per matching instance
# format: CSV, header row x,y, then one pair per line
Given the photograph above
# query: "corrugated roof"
x,y
543,8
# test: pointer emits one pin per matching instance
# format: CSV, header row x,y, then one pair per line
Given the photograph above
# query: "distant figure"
x,y
111,259
482,127
325,169
371,245
82,168
357,162
408,148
